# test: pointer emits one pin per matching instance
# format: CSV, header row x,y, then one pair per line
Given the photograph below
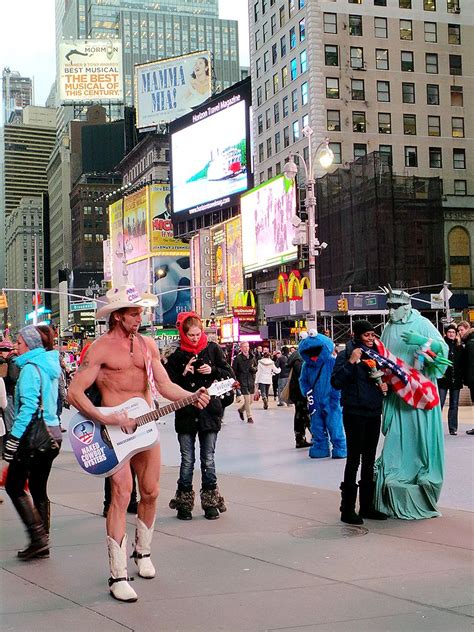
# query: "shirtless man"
x,y
117,363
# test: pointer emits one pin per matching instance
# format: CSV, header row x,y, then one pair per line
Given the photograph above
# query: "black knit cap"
x,y
452,326
360,327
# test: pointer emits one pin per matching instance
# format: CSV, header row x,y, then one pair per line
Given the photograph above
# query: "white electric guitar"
x,y
102,449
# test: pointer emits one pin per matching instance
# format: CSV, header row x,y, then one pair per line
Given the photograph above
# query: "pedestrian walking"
x,y
301,419
451,382
466,333
266,369
282,364
197,363
8,355
245,369
275,357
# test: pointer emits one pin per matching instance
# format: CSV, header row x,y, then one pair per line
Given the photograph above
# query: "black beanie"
x,y
360,327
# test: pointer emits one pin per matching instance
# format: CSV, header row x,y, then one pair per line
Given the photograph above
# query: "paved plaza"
x,y
279,559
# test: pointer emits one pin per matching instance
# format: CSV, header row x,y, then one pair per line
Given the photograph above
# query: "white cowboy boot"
x,y
142,552
118,582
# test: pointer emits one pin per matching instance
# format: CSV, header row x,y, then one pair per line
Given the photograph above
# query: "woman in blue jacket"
x,y
39,368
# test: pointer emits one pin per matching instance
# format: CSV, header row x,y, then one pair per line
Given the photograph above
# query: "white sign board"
x,y
90,71
169,88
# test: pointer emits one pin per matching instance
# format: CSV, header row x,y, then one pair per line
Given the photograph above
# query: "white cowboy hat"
x,y
124,296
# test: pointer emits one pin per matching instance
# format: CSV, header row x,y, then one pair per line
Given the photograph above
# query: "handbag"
x,y
36,439
285,394
256,396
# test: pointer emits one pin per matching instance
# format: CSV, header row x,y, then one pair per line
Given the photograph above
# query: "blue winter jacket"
x,y
28,388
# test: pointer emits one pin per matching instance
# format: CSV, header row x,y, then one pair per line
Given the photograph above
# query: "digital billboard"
x,y
162,240
169,88
234,260
171,284
210,155
90,71
266,213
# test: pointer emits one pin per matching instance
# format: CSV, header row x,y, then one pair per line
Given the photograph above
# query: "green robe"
x,y
409,472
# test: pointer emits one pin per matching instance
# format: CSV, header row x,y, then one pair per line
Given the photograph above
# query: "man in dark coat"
x,y
245,369
282,364
466,333
301,418
451,382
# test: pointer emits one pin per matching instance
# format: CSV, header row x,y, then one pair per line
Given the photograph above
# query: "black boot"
x,y
184,503
30,517
366,502
300,440
44,510
265,403
212,503
348,501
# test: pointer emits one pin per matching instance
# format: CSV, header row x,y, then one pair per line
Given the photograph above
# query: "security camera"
x,y
296,221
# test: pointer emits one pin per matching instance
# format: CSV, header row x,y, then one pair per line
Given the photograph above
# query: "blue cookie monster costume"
x,y
323,400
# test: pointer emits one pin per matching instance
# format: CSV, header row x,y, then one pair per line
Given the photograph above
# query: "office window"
x,y
457,127
333,121
380,3
303,61
276,112
460,187
454,34
355,25
273,23
380,27
383,91
269,173
386,154
434,126
359,123
267,90
302,29
282,16
353,1
330,23
291,7
294,100
277,168
268,121
360,150
274,54
260,123
336,150
266,61
429,5
357,57
459,158
292,37
411,157
406,30
385,123
408,92
409,124
264,6
457,98
277,142
293,69
455,65
432,94
304,121
284,76
259,95
265,31
301,4
304,92
435,158
357,90
381,59
332,88
407,61
269,147
453,6
404,4
431,63
286,136
296,131
257,39
275,83
255,11
431,32
258,67
331,55
260,152
285,107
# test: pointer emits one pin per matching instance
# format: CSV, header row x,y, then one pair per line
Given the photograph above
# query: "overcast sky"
x,y
27,38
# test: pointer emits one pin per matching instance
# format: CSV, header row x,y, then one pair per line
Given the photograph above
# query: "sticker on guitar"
x,y
101,449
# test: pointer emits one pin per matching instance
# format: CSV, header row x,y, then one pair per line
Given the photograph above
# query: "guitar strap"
x,y
149,370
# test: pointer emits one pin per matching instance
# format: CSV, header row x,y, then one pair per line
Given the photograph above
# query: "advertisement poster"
x,y
196,274
107,253
266,213
171,284
234,260
116,242
135,224
206,177
90,71
169,88
219,277
161,228
206,272
138,274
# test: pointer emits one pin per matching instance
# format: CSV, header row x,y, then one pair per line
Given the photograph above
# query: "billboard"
x,y
266,213
171,284
90,70
218,266
210,155
202,272
234,260
135,220
117,252
162,240
169,88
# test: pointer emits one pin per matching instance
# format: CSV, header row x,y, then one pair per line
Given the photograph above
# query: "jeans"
x,y
362,436
264,389
453,406
207,447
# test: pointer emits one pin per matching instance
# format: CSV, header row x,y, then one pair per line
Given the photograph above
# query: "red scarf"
x,y
185,343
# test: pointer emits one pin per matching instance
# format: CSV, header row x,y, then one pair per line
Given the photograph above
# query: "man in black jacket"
x,y
282,363
361,399
245,368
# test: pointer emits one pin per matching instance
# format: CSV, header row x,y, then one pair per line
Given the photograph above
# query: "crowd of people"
x,y
396,384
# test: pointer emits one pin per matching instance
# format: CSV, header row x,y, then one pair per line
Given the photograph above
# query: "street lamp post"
x,y
326,158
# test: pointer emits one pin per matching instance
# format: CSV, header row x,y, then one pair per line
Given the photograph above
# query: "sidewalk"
x,y
279,559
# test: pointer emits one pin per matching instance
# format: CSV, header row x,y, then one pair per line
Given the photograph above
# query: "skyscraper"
x,y
17,93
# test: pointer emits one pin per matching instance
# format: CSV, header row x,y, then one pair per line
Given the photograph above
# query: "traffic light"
x,y
3,301
342,305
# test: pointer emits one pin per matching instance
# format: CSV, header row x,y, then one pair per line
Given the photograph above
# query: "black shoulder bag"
x,y
36,439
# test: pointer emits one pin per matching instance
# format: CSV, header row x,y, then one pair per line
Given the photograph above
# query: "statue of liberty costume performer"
x,y
409,472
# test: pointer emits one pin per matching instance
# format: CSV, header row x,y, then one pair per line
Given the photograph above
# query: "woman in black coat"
x,y
194,364
451,382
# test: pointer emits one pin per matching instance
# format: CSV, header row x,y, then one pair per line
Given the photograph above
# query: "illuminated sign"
x,y
290,287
